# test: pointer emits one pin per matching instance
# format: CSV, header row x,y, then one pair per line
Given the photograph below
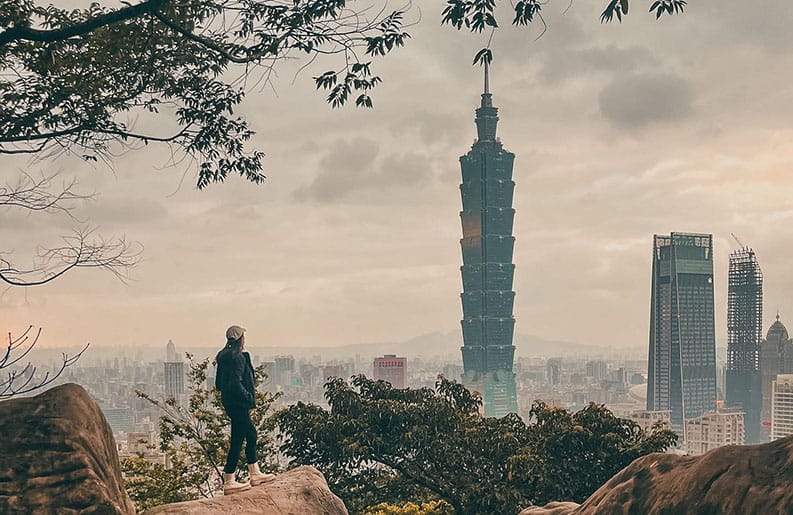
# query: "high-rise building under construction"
x,y
487,272
681,365
744,334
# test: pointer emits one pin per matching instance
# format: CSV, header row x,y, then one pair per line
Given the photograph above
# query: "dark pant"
x,y
241,429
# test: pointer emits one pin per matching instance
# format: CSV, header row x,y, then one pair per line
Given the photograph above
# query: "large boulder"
x,y
728,480
299,491
57,455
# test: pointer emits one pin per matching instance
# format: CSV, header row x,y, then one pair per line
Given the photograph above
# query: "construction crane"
x,y
736,239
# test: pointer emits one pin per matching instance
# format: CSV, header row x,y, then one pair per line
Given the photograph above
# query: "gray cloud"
x,y
607,59
409,169
353,169
733,21
341,170
636,100
433,127
125,210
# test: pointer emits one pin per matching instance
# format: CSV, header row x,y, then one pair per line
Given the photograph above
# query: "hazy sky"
x,y
620,131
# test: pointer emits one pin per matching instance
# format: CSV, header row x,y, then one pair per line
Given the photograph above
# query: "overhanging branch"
x,y
25,33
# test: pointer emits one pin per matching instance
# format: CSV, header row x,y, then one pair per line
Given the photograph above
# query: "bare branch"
x,y
36,194
24,381
83,249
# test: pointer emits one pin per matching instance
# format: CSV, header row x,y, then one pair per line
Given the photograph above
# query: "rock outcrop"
x,y
299,491
729,480
58,455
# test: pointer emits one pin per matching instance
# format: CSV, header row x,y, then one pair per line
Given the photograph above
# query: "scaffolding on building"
x,y
744,311
744,335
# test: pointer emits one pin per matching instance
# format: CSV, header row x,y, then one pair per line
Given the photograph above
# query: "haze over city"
x,y
620,131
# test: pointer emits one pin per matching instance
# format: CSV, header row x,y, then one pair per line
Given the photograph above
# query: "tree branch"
x,y
12,386
26,33
80,251
33,194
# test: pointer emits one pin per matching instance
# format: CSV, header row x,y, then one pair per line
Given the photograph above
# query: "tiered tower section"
x,y
487,271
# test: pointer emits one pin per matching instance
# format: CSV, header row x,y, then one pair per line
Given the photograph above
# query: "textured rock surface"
x,y
552,508
57,455
728,480
300,491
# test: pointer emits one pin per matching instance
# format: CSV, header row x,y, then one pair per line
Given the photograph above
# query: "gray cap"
x,y
234,332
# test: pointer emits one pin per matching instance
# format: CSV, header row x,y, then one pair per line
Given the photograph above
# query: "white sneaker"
x,y
231,486
257,477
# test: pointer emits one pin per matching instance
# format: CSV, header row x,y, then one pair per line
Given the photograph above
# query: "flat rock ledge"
x,y
300,491
729,480
58,455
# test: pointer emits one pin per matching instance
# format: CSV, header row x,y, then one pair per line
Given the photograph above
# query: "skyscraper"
x,y
744,333
487,270
681,365
391,368
776,357
782,406
174,372
283,371
170,353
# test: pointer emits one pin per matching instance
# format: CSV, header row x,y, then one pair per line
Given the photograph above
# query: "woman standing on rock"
x,y
234,378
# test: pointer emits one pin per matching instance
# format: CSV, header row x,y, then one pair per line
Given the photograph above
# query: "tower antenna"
x,y
487,79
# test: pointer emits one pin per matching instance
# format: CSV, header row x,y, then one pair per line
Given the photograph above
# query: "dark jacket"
x,y
235,380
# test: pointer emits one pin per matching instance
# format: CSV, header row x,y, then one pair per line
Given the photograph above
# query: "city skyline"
x,y
362,219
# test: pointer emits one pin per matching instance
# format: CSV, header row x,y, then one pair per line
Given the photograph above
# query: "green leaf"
x,y
484,56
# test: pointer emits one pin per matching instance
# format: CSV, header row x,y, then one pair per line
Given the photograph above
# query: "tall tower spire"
x,y
487,246
487,81
486,114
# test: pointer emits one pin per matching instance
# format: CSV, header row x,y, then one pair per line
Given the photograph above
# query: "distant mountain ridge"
x,y
443,344
436,344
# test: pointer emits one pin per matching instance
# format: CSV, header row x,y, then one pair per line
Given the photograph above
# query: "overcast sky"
x,y
620,131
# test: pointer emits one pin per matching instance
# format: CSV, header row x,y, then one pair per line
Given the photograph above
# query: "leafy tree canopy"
x,y
378,445
77,80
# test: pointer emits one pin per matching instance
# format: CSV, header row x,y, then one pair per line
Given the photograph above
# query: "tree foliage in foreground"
x,y
195,439
411,508
378,444
78,80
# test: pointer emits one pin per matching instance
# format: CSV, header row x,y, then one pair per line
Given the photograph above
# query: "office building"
x,y
170,353
554,371
392,369
681,362
119,419
283,370
597,370
174,373
487,272
782,406
744,333
712,430
776,357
